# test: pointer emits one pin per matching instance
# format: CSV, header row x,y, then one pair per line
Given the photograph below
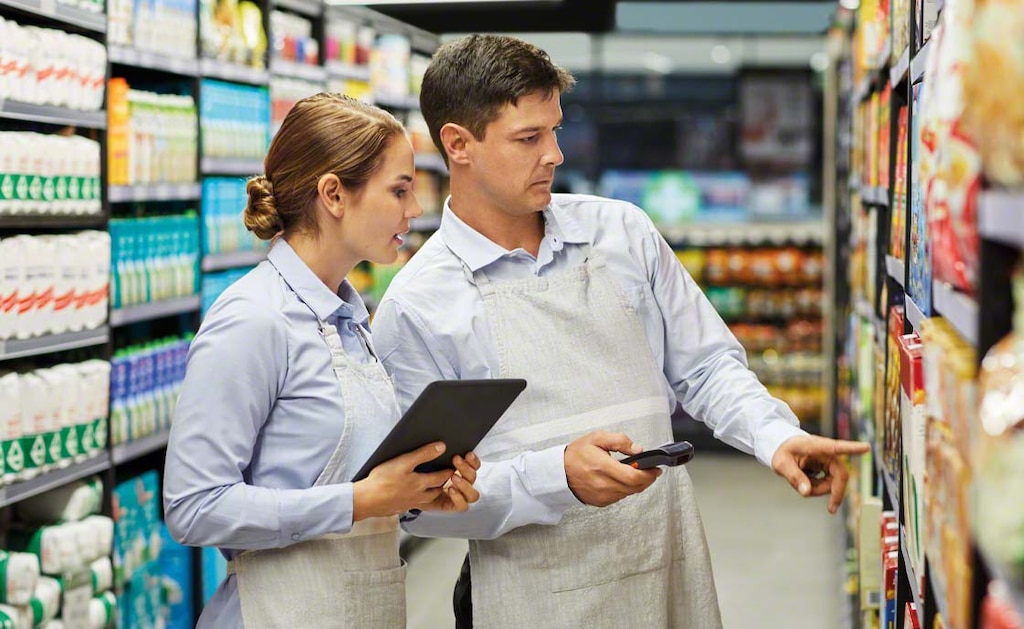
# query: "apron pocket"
x,y
375,598
593,546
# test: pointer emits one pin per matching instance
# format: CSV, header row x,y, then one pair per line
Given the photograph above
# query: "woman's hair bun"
x,y
261,215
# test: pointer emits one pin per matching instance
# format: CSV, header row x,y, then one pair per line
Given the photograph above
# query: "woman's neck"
x,y
328,264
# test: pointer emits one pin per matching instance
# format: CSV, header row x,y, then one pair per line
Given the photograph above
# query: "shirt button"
x,y
296,537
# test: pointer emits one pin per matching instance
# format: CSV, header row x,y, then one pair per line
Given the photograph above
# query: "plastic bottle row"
x,y
235,120
161,26
46,66
224,232
52,417
153,137
49,174
293,39
53,284
144,386
153,258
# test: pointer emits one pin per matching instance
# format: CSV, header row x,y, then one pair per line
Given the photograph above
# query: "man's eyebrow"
x,y
533,129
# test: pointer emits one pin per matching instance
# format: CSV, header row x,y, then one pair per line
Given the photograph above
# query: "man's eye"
x,y
530,140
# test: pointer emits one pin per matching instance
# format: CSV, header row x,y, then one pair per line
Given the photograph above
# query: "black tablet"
x,y
457,412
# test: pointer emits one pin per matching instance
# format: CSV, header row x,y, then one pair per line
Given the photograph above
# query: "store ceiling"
x,y
602,16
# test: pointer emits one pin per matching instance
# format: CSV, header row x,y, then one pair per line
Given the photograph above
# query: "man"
x,y
584,299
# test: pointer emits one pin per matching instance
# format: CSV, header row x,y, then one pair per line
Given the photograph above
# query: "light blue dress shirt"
x,y
432,325
259,415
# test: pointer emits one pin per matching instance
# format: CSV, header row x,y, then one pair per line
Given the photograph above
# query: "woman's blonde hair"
x,y
322,134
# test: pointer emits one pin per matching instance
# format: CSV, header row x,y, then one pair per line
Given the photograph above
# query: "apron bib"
x,y
354,580
642,562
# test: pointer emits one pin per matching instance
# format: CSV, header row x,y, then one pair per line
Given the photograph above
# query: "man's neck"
x,y
507,231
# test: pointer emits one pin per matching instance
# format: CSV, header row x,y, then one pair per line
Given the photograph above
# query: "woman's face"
x,y
377,218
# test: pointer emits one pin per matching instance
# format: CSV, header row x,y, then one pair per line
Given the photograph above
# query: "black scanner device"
x,y
670,454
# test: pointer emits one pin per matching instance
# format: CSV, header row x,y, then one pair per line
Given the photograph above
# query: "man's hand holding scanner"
x,y
395,486
598,479
814,466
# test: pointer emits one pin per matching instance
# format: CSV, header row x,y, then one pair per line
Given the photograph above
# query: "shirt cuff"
x,y
544,473
771,437
319,510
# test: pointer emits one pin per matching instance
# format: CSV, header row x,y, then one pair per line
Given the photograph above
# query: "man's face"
x,y
514,166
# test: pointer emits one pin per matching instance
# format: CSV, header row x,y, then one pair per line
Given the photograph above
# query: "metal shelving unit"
x,y
42,345
52,221
184,66
154,310
912,579
154,192
913,313
899,71
919,63
960,310
49,114
896,269
337,70
234,260
1001,216
242,166
53,479
396,102
304,71
63,13
138,448
214,69
309,8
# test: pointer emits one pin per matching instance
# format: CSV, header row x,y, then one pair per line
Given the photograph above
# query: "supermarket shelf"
x,y
938,595
1001,216
425,224
900,70
233,260
185,66
304,71
396,102
755,234
139,447
50,221
883,58
915,588
215,69
960,310
96,22
896,268
52,115
305,7
890,485
15,348
875,195
920,61
243,166
432,162
52,480
154,192
914,313
339,70
154,310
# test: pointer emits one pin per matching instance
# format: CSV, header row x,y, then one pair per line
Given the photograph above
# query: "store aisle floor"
x,y
775,555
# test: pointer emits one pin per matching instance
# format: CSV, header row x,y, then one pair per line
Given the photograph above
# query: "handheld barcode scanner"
x,y
670,454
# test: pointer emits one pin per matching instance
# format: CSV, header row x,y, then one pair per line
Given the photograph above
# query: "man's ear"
x,y
455,139
331,195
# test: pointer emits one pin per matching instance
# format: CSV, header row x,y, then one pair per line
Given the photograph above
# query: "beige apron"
x,y
354,580
642,562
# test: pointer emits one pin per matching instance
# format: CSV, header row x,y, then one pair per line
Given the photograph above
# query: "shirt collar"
x,y
346,304
477,251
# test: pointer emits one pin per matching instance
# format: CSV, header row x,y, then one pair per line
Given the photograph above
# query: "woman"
x,y
284,398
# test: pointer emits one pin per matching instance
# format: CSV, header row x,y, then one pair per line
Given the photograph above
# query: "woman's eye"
x,y
400,193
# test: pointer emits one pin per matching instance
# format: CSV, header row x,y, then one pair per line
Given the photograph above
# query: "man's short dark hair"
x,y
472,78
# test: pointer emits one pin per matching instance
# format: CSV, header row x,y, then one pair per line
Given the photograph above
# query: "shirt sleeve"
x,y
707,367
528,489
237,365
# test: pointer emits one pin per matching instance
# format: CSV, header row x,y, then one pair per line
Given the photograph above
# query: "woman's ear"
x,y
331,194
456,139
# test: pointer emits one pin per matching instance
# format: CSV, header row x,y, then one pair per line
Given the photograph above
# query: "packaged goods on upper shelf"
x,y
68,503
884,135
999,451
284,93
45,66
993,82
232,32
234,119
897,229
152,138
49,174
773,267
153,258
913,419
53,284
51,418
293,39
144,386
389,66
919,256
348,43
899,26
161,26
950,164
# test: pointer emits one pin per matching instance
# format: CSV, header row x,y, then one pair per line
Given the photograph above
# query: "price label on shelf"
x,y
163,192
49,7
